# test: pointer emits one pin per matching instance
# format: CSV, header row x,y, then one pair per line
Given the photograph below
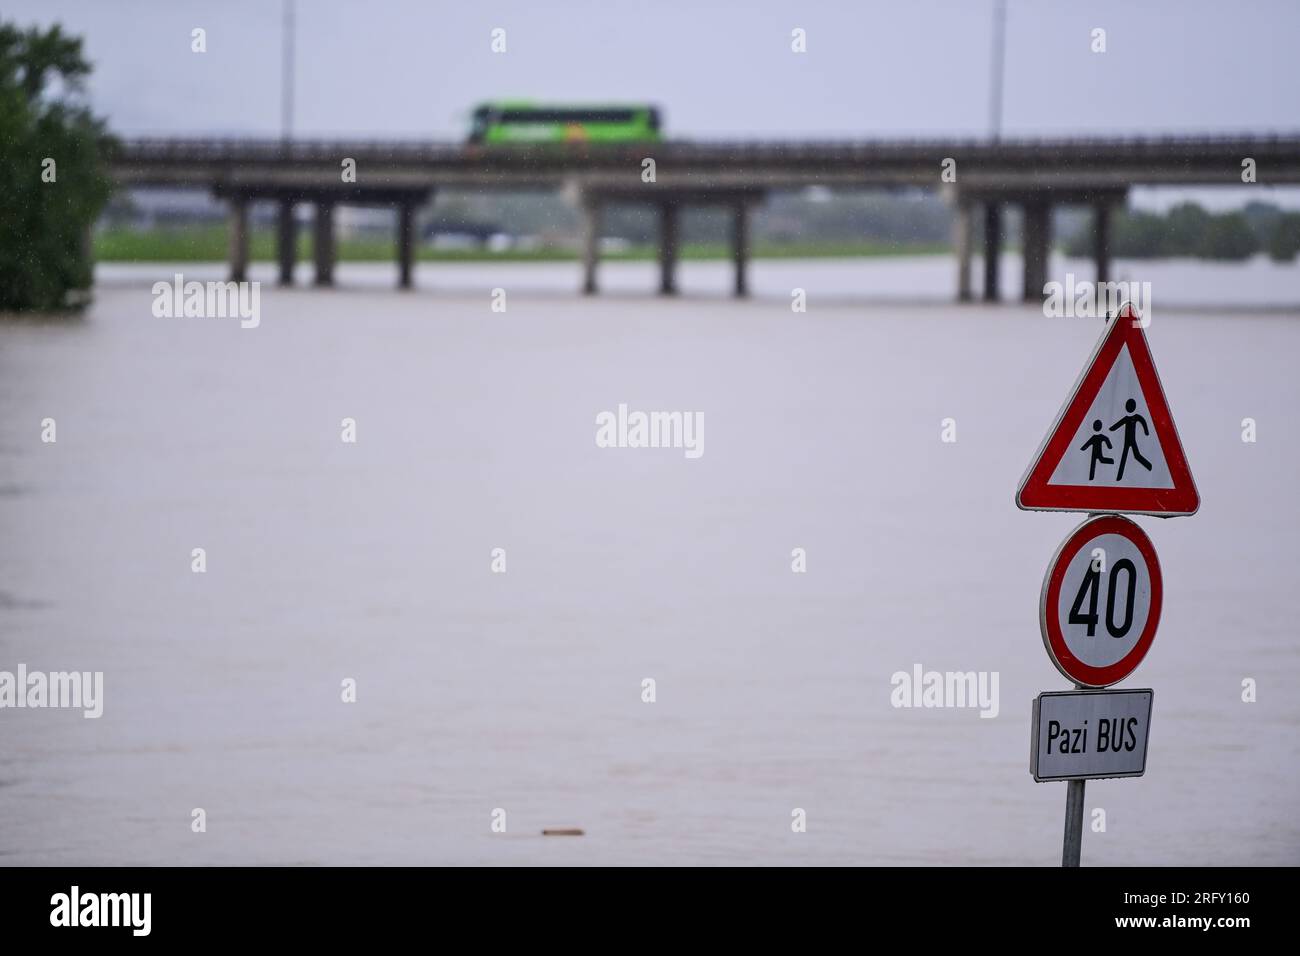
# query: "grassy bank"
x,y
209,244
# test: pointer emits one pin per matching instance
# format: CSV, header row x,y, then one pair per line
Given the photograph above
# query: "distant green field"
x,y
209,244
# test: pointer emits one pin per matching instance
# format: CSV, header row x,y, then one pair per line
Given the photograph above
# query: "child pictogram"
x,y
1098,454
1130,422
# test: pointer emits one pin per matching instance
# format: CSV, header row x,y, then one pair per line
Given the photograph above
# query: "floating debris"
x,y
562,831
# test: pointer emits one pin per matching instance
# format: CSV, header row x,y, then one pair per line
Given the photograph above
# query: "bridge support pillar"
x,y
286,241
1035,238
591,218
405,243
992,248
1101,239
740,247
323,242
962,245
238,239
668,248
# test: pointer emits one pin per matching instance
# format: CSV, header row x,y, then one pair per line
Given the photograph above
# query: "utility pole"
x,y
286,73
997,66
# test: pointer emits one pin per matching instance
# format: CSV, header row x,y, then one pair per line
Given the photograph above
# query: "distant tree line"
x,y
906,217
1188,230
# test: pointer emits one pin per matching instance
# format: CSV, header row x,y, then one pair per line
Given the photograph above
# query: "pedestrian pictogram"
x,y
1114,446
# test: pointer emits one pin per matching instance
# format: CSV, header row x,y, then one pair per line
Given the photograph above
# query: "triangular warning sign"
x,y
1114,446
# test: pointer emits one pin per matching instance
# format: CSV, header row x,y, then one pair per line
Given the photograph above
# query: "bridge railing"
x,y
216,149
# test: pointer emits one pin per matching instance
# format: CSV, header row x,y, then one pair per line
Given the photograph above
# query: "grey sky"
x,y
413,68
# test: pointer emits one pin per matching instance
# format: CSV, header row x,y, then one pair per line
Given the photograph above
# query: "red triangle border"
x,y
1035,494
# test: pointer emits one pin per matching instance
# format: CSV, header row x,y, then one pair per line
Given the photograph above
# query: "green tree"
x,y
1138,235
1263,217
53,183
1186,227
1228,236
1284,242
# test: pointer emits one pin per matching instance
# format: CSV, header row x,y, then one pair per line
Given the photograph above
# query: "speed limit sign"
x,y
1101,601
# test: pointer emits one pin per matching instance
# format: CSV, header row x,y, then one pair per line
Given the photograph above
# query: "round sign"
x,y
1101,601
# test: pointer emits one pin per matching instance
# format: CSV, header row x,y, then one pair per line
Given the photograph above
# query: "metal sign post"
x,y
1073,845
1113,448
1088,734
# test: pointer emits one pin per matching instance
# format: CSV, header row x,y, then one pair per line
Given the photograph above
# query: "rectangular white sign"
x,y
1086,734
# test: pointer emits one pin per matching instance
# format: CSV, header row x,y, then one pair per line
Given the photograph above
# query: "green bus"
x,y
515,123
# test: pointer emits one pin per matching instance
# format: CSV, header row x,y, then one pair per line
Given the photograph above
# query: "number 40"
x,y
1088,590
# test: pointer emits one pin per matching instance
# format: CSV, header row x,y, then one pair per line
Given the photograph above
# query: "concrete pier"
x,y
323,242
238,238
1101,239
1035,240
286,241
591,219
668,251
405,244
992,248
963,243
740,247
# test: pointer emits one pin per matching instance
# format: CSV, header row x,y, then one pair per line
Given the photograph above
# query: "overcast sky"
x,y
413,68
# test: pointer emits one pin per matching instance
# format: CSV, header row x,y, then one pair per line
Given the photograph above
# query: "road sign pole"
x,y
1072,846
1106,557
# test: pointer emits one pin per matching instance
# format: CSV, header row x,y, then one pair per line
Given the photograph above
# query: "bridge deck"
x,y
1068,163
1036,174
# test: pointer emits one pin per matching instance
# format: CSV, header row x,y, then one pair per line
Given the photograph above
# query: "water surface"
x,y
522,690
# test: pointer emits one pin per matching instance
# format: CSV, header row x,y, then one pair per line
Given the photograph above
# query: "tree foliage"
x,y
1284,242
46,211
1189,231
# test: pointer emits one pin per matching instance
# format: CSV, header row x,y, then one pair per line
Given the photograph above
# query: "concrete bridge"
x,y
1036,175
